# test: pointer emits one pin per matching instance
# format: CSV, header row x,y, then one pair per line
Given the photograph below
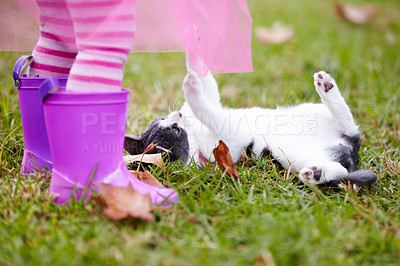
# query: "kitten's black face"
x,y
167,133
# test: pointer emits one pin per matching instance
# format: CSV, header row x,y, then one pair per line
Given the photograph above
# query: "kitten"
x,y
319,141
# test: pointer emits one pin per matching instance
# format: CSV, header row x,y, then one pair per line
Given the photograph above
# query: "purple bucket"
x,y
86,134
37,156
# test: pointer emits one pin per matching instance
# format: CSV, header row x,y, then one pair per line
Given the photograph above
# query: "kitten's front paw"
x,y
191,85
324,82
311,175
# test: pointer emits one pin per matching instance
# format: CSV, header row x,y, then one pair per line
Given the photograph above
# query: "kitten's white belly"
x,y
299,136
304,132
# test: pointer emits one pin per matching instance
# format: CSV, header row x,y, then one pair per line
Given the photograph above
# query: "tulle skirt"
x,y
216,31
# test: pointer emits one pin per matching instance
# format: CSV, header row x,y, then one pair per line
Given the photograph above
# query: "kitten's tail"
x,y
360,178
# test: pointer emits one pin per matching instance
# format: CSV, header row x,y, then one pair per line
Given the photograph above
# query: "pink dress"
x,y
216,31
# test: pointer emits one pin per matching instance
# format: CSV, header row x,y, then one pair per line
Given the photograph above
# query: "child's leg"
x,y
104,32
55,51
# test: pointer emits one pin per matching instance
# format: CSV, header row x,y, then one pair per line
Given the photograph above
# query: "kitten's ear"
x,y
133,144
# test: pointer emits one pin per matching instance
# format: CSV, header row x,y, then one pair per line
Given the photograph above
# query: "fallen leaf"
x,y
358,14
224,160
277,34
147,178
155,159
123,202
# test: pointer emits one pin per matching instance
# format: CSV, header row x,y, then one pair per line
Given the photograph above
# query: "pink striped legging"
x,y
89,40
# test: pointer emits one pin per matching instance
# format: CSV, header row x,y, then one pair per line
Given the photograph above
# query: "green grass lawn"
x,y
267,217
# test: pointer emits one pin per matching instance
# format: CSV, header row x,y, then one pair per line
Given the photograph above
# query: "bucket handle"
x,y
19,68
50,84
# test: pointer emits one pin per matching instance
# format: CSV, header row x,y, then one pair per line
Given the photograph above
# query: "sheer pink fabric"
x,y
216,31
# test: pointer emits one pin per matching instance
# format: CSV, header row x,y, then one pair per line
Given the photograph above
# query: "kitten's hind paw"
x,y
311,175
324,82
322,173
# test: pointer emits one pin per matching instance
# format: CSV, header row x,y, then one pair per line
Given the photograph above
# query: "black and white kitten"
x,y
319,141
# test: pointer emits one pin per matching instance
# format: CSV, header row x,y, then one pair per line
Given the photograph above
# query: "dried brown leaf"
x,y
276,34
123,202
115,213
358,14
224,160
155,159
147,178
